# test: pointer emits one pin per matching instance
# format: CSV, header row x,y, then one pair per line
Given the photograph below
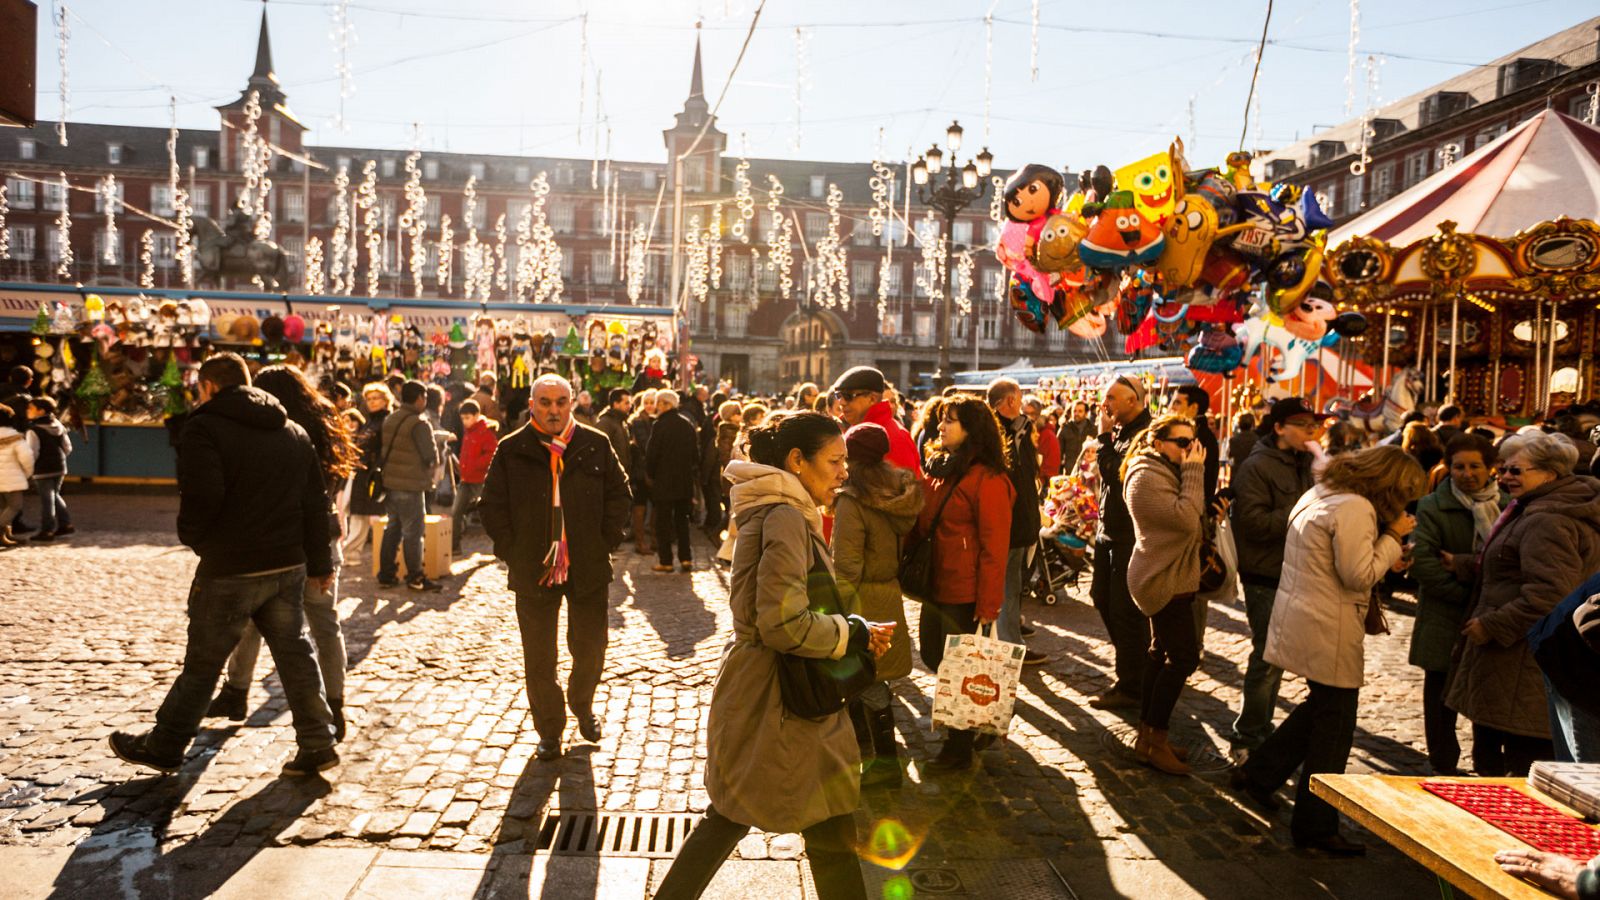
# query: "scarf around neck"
x,y
1485,508
558,559
756,485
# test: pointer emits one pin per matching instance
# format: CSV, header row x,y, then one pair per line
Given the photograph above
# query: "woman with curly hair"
x,y
1344,534
971,496
336,449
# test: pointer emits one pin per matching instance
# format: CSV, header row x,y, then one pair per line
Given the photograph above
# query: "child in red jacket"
x,y
479,436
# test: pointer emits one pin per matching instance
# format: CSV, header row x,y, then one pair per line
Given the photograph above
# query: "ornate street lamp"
x,y
948,196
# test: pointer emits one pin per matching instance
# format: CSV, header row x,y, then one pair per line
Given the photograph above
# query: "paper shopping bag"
x,y
977,683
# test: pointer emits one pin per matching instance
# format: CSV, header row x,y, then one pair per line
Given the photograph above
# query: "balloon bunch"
x,y
1207,261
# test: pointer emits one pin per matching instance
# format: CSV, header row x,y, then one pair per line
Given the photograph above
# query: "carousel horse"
x,y
233,252
1381,415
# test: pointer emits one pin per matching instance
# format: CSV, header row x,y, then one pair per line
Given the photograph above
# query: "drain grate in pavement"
x,y
584,832
1203,756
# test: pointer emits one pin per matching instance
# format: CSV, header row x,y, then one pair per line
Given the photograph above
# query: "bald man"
x,y
1123,414
554,503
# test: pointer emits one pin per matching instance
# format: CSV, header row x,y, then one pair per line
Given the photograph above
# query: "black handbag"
x,y
1213,571
374,486
814,688
916,563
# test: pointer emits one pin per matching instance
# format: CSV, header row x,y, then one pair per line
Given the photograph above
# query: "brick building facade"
x,y
743,330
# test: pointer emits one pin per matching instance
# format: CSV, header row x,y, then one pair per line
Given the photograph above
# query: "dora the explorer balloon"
x,y
1031,195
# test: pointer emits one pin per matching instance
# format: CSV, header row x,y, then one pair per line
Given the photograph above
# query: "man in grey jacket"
x,y
1266,487
407,456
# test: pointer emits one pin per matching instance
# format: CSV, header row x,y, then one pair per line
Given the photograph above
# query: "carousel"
x,y
1484,276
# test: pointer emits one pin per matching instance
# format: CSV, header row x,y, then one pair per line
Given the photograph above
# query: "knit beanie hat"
x,y
866,443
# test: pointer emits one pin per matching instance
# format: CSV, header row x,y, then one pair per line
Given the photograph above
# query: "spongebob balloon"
x,y
1153,183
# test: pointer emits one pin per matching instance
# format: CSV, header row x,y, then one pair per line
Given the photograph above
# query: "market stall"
x,y
121,362
1485,275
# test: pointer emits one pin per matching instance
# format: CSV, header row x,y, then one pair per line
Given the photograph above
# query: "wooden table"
x,y
1454,844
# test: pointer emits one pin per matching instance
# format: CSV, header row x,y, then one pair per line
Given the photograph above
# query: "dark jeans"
x,y
466,501
219,609
1501,754
405,510
1439,725
538,612
937,622
52,509
1261,678
1172,658
711,491
1125,624
830,849
1315,738
672,520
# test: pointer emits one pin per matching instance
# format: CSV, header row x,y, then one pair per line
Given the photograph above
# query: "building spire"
x,y
264,52
696,84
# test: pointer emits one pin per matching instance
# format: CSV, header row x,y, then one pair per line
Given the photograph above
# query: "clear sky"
x,y
1114,81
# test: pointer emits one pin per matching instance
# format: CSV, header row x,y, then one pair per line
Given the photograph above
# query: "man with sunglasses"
x,y
858,397
1266,487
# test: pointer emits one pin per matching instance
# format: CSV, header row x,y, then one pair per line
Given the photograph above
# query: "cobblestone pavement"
x,y
439,753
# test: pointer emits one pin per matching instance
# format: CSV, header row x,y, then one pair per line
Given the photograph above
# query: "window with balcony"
x,y
1353,185
1382,183
294,206
22,242
861,232
431,214
738,272
52,246
54,196
736,318
602,268
863,281
890,324
816,226
563,217
108,247
1416,167
896,271
20,193
201,200
161,200
922,327
164,249
767,277
961,232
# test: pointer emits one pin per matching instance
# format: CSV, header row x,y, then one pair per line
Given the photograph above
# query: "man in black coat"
x,y
1122,416
1016,430
253,506
557,543
672,467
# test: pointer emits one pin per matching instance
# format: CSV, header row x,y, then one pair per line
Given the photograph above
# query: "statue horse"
x,y
218,255
1381,415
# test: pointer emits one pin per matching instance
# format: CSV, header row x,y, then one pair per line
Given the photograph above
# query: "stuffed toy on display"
x,y
1032,195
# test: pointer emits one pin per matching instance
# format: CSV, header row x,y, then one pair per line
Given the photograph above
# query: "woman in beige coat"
x,y
1344,534
1163,478
871,518
766,768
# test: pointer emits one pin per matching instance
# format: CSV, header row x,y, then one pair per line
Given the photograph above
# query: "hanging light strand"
x,y
183,212
315,280
108,205
147,261
371,223
344,34
63,38
341,233
413,222
780,238
64,231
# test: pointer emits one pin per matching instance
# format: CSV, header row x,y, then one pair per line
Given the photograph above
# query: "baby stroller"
x,y
1058,567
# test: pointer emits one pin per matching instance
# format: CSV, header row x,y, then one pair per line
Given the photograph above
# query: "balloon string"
x,y
1254,73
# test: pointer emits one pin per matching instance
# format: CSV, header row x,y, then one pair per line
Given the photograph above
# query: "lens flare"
x,y
892,845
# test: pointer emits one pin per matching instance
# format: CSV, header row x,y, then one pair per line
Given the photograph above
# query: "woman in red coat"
x,y
1049,447
967,467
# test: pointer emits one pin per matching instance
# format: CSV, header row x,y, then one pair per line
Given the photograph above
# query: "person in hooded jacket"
x,y
872,515
253,505
16,467
1545,543
1163,479
971,538
51,446
766,768
1343,536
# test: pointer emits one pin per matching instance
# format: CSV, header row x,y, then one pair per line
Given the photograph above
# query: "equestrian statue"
x,y
233,251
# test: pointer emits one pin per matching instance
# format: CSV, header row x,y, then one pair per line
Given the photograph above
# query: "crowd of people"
x,y
813,499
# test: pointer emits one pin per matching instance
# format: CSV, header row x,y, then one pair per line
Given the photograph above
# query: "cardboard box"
x,y
436,558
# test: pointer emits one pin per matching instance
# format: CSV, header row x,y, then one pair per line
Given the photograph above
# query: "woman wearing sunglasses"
x,y
1164,482
1545,543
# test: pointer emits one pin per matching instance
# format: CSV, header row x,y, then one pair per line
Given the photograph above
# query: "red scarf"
x,y
557,560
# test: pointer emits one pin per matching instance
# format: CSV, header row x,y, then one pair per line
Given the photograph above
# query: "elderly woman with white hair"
x,y
1545,543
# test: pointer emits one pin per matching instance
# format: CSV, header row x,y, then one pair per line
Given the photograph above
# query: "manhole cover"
x,y
1204,758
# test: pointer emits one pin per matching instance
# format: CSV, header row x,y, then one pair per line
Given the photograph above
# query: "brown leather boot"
x,y
1162,757
1141,744
7,539
641,535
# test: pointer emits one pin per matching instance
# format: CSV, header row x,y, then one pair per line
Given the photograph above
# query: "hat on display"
x,y
860,378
